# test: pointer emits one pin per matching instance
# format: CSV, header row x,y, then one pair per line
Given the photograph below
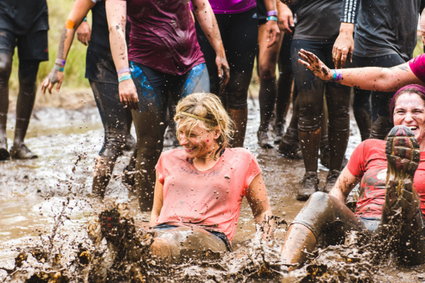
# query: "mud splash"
x,y
49,233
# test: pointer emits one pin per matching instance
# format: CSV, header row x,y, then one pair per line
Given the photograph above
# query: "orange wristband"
x,y
69,24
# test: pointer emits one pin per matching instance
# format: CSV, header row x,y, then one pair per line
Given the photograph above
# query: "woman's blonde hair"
x,y
205,108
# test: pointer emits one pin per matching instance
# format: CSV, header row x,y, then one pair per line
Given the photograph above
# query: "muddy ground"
x,y
46,208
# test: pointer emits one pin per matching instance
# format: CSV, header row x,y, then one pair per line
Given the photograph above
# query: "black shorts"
x,y
261,12
31,46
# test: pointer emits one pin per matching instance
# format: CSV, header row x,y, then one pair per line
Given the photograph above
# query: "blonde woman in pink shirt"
x,y
200,186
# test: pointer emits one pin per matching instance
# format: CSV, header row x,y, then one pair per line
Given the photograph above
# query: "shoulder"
x,y
239,152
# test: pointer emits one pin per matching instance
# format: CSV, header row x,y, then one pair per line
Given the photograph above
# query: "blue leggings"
x,y
155,91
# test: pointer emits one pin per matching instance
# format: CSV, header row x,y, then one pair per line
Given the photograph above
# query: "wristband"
x,y
124,78
272,13
123,70
59,68
271,18
336,75
60,62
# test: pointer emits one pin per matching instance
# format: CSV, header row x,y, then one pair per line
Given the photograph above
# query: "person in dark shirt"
x,y
23,24
319,25
384,36
100,71
166,63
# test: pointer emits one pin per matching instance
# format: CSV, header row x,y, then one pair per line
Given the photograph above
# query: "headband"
x,y
195,117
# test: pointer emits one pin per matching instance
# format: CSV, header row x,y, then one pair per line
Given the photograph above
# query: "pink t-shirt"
x,y
210,198
232,6
369,163
417,65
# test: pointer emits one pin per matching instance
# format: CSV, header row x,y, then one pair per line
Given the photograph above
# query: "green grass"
x,y
75,66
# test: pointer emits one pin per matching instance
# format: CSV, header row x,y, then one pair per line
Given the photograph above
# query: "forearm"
x,y
208,23
376,78
116,15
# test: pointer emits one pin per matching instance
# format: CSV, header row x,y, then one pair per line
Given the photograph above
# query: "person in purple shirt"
x,y
163,62
239,29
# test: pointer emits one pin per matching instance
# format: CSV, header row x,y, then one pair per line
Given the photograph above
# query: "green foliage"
x,y
75,65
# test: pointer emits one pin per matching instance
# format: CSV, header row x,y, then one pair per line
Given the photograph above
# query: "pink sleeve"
x,y
356,164
417,65
253,170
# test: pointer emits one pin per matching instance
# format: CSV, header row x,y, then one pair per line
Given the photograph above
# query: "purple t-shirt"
x,y
232,6
417,65
163,36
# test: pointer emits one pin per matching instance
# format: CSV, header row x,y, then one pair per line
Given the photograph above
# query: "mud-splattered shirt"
x,y
417,65
369,163
210,198
163,35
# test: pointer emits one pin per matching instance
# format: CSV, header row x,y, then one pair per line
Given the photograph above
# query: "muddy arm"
x,y
259,202
208,23
157,202
369,78
344,184
116,13
79,10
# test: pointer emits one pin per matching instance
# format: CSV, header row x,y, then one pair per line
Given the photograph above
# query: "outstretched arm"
x,y
260,206
116,13
343,186
207,21
369,78
75,17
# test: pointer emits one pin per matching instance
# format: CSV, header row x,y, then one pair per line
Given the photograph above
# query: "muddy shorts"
x,y
31,46
218,234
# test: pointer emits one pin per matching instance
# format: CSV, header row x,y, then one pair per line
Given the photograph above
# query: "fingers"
x,y
339,56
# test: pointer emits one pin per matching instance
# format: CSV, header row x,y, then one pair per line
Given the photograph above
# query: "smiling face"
x,y
198,141
410,111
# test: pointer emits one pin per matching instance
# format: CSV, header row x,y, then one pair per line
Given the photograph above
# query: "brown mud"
x,y
48,230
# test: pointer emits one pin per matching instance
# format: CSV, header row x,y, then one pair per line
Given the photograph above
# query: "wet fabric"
x,y
115,118
100,66
156,88
319,19
23,16
239,33
417,65
31,46
369,163
231,6
163,36
219,235
386,27
211,198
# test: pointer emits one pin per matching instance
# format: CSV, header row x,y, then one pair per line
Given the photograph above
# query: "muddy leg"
x,y
5,69
27,89
102,175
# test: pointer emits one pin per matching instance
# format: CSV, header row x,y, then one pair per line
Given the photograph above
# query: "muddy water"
x,y
46,207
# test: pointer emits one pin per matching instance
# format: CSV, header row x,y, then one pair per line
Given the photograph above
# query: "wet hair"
x,y
207,111
412,88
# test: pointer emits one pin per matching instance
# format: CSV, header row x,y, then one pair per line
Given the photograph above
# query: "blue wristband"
x,y
124,78
272,18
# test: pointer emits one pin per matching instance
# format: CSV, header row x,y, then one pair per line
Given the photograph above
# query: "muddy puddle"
x,y
46,210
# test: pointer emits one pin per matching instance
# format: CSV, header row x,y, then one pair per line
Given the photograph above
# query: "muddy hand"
x,y
128,94
223,72
313,63
55,77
